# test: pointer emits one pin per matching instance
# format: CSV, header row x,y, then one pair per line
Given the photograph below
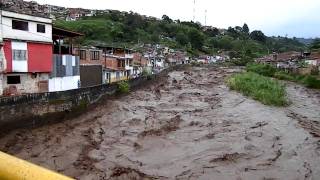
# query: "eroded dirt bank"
x,y
187,127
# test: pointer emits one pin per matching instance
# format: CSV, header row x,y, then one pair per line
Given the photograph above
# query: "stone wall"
x,y
41,108
29,83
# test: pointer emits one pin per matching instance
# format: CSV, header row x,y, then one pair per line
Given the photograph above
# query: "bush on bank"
x,y
123,87
270,71
263,89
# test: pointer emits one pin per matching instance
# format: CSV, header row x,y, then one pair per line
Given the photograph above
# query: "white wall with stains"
x,y
63,83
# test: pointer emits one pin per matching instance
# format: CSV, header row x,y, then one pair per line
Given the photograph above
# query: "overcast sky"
x,y
300,18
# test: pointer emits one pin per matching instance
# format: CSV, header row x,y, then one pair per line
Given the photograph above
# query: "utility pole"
x,y
205,17
194,10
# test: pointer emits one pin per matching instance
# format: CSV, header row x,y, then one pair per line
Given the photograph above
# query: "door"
x,y
43,86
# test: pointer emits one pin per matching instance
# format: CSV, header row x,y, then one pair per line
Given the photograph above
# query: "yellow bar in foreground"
x,y
12,168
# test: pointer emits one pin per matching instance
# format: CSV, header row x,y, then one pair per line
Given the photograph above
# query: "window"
x,y
41,28
82,54
13,80
19,55
95,55
20,25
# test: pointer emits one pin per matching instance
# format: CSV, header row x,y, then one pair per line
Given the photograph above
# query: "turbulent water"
x,y
187,126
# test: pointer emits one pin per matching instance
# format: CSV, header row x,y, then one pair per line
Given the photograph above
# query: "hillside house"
x,y
26,53
313,59
140,64
118,63
203,59
92,63
286,61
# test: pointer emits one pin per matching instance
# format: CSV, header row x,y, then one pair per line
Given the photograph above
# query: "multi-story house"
x,y
26,53
65,73
125,59
91,66
140,64
118,63
102,65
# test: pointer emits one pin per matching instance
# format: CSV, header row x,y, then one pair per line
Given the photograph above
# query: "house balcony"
x,y
128,67
62,50
128,56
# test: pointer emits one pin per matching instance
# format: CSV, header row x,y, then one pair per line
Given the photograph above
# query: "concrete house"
x,y
140,64
92,64
26,53
110,65
313,59
65,73
118,63
177,58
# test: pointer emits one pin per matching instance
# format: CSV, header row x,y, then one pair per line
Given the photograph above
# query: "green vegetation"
x,y
123,87
262,69
311,82
146,72
196,63
283,76
131,30
270,71
261,88
315,45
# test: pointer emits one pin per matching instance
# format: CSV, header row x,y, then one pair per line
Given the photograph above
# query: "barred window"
x,y
19,55
95,55
82,54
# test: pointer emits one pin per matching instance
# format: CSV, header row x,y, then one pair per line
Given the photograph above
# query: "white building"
x,y
26,53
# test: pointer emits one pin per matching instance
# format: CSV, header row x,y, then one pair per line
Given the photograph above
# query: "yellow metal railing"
x,y
12,168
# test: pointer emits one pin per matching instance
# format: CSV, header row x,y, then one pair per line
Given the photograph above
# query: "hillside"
x,y
306,41
129,29
133,30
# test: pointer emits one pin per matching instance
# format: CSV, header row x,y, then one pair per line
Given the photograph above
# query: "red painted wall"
x,y
39,57
8,55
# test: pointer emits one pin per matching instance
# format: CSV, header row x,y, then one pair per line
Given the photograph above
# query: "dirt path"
x,y
189,127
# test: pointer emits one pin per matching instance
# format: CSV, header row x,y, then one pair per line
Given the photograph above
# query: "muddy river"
x,y
187,126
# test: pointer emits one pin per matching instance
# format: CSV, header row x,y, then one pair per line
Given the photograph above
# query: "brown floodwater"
x,y
187,126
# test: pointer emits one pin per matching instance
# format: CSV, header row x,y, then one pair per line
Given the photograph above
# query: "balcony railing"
x,y
129,56
62,50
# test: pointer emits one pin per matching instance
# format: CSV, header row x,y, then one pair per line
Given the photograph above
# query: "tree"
x,y
233,32
225,42
167,19
258,36
245,29
238,29
213,32
182,39
315,44
196,38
